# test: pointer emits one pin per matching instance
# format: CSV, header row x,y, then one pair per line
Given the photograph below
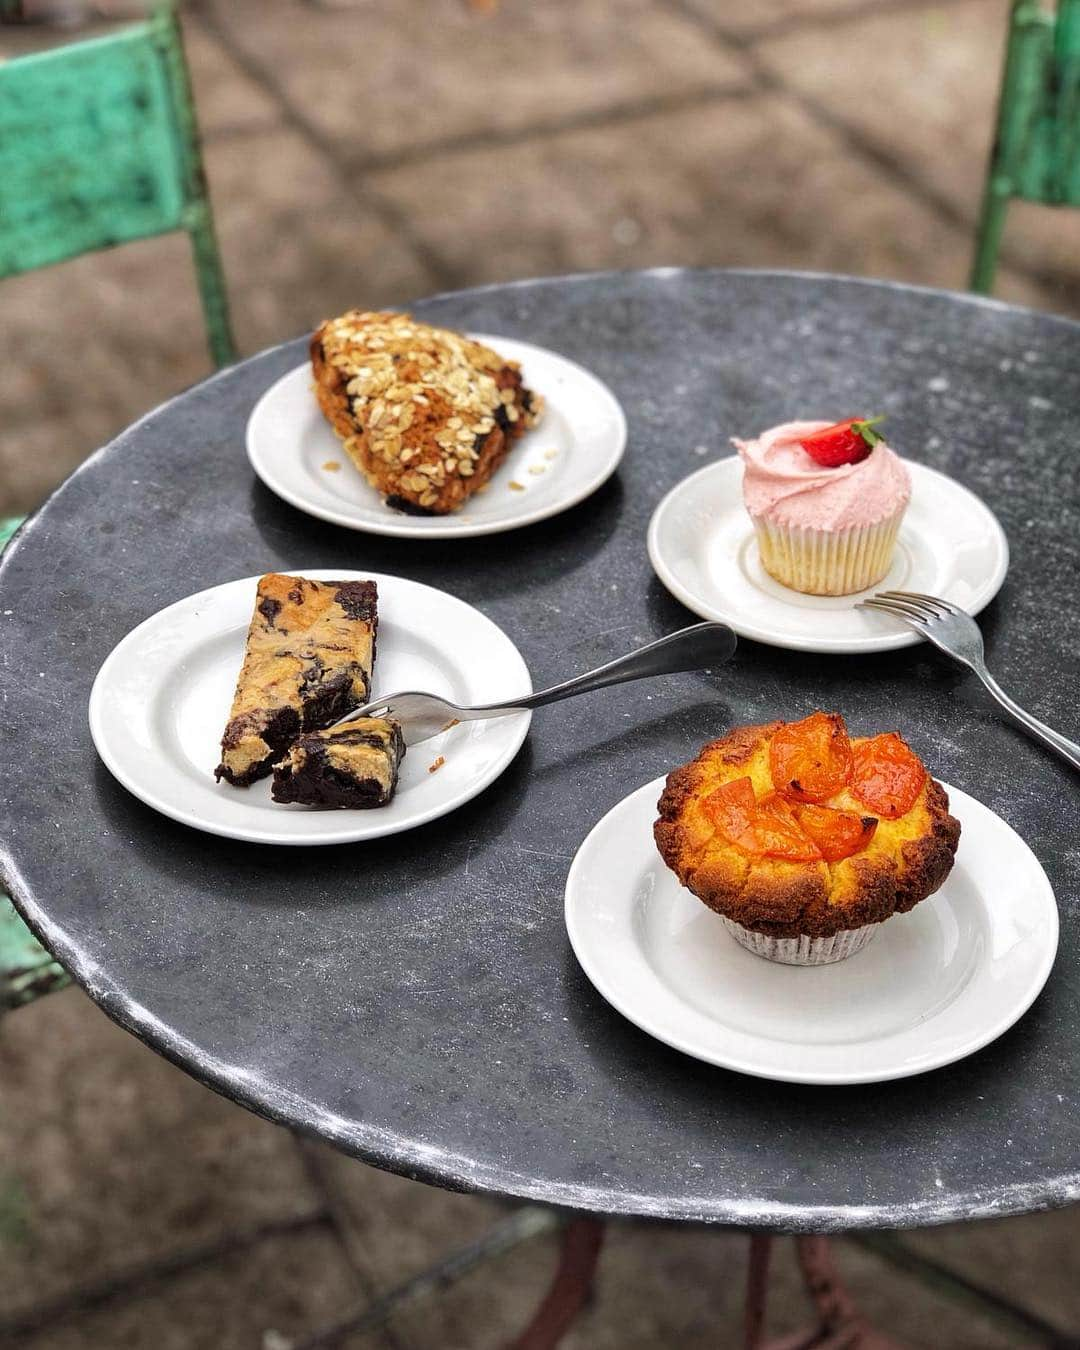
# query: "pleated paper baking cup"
x,y
802,951
828,562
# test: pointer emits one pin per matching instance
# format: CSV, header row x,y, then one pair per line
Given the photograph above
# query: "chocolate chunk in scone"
x,y
354,765
308,659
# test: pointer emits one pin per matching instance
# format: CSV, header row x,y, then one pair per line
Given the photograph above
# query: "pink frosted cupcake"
x,y
826,500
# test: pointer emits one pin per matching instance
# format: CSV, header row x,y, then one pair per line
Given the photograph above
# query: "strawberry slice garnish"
x,y
844,442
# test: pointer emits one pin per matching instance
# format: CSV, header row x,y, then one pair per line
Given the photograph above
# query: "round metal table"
x,y
414,1001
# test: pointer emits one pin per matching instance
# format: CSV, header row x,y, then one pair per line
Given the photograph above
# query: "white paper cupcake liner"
x,y
802,951
828,562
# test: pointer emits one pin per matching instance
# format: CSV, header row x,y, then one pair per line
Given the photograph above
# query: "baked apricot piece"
x,y
887,776
811,760
766,828
838,834
731,810
778,832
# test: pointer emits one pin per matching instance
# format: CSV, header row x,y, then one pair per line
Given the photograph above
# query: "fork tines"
x,y
912,605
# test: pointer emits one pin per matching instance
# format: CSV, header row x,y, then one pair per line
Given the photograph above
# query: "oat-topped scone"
x,y
355,765
308,659
425,414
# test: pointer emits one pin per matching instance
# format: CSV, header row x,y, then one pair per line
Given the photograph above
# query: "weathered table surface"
x,y
415,1001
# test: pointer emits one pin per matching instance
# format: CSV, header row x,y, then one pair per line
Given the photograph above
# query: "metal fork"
x,y
422,716
957,634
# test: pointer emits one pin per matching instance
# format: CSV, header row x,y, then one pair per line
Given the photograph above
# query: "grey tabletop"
x,y
414,1001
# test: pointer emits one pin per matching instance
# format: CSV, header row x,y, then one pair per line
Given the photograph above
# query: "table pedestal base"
x,y
840,1325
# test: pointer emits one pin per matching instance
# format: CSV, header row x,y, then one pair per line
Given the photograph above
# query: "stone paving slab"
x,y
748,21
378,83
696,196
930,107
253,1300
1033,1257
111,1158
931,101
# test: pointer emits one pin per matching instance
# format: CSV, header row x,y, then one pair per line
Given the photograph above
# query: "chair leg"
x,y
757,1289
211,282
581,1240
840,1325
988,239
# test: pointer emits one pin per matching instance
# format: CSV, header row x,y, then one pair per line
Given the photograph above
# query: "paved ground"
x,y
363,152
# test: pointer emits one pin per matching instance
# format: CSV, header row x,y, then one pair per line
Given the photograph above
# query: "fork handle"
x,y
694,648
1068,750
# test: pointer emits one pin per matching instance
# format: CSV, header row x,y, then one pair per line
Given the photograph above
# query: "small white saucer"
x,y
933,986
702,547
576,447
162,696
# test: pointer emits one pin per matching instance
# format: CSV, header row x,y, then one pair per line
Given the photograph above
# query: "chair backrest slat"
x,y
99,146
89,150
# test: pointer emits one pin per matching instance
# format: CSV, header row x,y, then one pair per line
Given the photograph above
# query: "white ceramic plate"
x,y
161,700
576,447
933,986
702,547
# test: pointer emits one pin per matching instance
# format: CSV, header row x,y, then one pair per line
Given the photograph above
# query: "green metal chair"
x,y
1036,152
99,146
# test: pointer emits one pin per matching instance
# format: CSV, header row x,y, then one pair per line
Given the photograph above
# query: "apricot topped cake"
x,y
308,659
802,838
426,414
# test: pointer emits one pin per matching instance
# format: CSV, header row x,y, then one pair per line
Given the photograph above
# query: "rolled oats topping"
x,y
425,413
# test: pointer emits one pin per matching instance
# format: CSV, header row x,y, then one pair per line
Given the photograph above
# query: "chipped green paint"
x,y
99,146
26,969
1036,152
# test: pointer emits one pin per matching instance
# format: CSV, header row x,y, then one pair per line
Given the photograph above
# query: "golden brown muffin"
x,y
792,829
308,659
425,414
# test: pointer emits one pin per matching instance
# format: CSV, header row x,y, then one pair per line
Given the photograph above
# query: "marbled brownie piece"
x,y
354,765
426,414
310,649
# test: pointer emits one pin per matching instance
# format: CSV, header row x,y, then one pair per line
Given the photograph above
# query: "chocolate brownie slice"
x,y
354,765
308,660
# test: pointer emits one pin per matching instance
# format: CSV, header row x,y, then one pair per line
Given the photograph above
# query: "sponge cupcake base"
x,y
828,562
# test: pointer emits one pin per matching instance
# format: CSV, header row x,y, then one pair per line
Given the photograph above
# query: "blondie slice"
x,y
308,659
354,765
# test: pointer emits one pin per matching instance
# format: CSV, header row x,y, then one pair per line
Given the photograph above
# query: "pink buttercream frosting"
x,y
783,484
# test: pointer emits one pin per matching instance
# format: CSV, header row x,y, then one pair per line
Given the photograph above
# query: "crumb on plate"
x,y
332,465
437,764
515,486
